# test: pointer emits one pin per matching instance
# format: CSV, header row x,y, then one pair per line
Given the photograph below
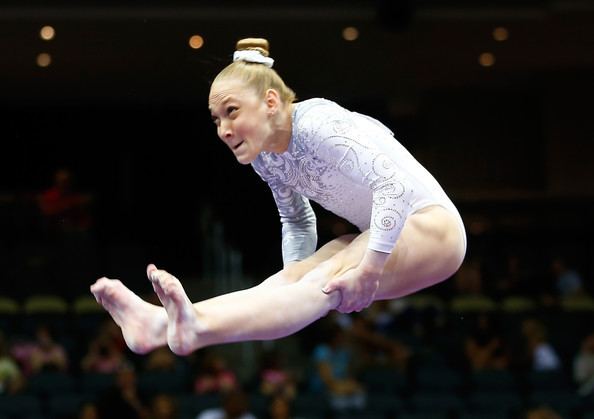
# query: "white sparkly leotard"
x,y
351,165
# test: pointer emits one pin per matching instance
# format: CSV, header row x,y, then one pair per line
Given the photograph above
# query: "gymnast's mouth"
x,y
238,144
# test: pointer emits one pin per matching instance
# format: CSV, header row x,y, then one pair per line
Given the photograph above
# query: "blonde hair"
x,y
256,75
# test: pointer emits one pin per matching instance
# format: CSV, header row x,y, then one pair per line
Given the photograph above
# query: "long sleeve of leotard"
x,y
299,232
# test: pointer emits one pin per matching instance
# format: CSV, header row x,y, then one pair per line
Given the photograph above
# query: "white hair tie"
x,y
252,56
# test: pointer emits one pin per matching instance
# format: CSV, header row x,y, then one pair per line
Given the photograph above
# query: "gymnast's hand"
x,y
358,286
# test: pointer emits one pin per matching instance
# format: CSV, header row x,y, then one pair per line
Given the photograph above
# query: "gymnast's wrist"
x,y
373,261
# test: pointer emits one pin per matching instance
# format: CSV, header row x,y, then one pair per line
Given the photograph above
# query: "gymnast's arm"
x,y
299,232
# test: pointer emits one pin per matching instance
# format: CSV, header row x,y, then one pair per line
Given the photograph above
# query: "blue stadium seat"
x,y
47,384
20,406
67,405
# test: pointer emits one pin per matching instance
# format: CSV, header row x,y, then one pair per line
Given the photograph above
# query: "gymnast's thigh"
x,y
295,271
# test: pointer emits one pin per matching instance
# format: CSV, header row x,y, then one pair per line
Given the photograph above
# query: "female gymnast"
x,y
412,235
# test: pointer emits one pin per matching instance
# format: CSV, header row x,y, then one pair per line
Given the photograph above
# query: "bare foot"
x,y
143,325
184,328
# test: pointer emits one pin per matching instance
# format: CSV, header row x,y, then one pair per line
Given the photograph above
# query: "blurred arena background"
x,y
494,97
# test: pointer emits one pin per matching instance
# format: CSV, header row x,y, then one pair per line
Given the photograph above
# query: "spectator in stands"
x,y
540,353
280,408
382,316
162,359
485,347
274,378
568,281
64,209
47,354
111,331
88,410
235,405
515,279
334,375
12,379
215,376
104,356
67,221
541,413
123,400
583,367
469,278
374,348
163,406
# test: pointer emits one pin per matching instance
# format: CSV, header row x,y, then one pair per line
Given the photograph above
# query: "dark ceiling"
x,y
124,52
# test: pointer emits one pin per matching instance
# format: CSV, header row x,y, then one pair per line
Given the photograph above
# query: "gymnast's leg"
x,y
430,249
280,306
145,326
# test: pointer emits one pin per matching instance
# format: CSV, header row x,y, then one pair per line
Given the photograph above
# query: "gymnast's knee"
x,y
292,273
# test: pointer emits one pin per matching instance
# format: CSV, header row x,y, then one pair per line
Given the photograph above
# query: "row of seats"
x,y
85,304
313,406
443,386
40,304
483,303
377,380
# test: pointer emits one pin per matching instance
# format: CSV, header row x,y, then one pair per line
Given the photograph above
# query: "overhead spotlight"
x,y
350,33
486,59
500,34
44,60
47,33
196,42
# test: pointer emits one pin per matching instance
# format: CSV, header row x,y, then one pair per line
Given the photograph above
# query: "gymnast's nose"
x,y
225,131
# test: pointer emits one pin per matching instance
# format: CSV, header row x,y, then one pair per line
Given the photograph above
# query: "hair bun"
x,y
255,44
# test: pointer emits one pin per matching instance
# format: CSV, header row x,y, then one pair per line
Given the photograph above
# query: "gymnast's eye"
x,y
231,109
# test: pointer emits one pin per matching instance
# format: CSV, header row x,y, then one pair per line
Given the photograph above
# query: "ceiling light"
x,y
47,33
486,59
350,33
500,34
44,59
196,42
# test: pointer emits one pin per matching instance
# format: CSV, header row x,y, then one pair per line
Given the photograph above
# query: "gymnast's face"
x,y
242,118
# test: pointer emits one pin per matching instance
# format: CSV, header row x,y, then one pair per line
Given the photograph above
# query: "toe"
x,y
150,268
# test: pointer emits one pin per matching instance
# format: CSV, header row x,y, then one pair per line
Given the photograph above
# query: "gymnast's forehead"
x,y
217,97
226,89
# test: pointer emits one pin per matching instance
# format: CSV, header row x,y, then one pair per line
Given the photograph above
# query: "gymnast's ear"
x,y
273,100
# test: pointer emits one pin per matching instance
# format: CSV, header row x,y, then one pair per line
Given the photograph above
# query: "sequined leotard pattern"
x,y
351,165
